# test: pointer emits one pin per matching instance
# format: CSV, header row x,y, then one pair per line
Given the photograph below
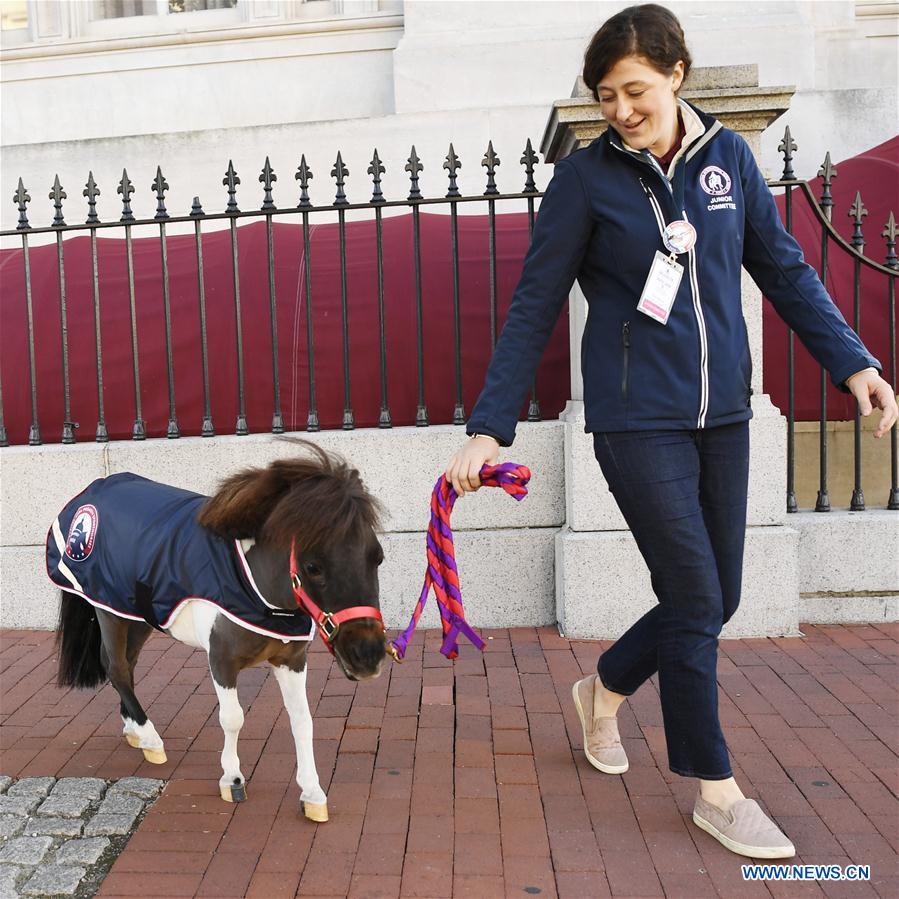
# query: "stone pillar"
x,y
602,585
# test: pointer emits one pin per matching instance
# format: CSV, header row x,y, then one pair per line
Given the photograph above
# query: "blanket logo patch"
x,y
714,180
82,533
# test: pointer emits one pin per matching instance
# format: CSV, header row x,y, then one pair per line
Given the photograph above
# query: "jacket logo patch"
x,y
714,180
82,533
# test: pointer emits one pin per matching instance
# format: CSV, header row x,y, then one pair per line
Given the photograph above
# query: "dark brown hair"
x,y
317,499
648,30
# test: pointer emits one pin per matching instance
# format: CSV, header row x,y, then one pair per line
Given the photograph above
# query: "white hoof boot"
x,y
315,811
147,740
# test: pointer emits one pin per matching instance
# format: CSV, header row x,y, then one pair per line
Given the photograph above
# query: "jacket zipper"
x,y
697,308
625,373
703,337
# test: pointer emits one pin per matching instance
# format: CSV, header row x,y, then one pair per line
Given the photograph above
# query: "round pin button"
x,y
679,237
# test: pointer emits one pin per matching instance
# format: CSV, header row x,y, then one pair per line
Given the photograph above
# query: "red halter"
x,y
328,622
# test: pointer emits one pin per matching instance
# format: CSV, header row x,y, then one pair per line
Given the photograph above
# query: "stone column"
x,y
602,585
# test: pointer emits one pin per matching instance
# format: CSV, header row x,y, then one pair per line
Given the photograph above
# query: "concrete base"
x,y
507,579
399,466
504,549
517,567
27,597
603,585
848,552
826,609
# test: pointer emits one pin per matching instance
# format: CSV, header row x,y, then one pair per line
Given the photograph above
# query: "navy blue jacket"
x,y
134,548
599,222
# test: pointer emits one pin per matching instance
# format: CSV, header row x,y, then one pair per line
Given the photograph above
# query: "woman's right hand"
x,y
466,463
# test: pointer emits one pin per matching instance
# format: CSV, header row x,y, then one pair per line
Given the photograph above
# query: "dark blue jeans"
x,y
683,495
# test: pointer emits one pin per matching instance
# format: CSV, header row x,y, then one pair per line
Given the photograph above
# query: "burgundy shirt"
x,y
665,161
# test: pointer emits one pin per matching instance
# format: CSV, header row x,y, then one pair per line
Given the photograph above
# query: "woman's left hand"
x,y
870,390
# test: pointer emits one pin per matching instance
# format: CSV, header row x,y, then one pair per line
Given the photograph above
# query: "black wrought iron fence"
x,y
305,209
884,291
414,204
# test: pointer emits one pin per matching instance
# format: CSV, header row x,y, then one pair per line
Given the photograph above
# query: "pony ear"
x,y
243,502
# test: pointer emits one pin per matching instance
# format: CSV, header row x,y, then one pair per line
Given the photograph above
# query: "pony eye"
x,y
313,569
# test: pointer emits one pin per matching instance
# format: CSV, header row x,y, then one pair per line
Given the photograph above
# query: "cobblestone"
x,y
42,849
54,880
9,875
18,805
10,825
144,787
32,786
55,827
109,825
120,804
64,806
81,852
25,850
86,787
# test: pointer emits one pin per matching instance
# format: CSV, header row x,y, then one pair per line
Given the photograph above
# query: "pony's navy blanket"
x,y
134,547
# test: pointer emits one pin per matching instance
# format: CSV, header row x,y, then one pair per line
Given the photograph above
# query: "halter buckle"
x,y
297,583
328,627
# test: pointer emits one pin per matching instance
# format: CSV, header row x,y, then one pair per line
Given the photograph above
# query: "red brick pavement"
x,y
467,779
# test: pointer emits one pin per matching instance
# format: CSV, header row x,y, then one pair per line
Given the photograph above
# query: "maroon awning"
x,y
875,173
362,300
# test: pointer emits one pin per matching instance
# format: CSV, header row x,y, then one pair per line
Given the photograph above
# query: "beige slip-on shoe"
x,y
602,744
744,828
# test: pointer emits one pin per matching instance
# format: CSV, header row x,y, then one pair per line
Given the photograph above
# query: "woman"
x,y
655,219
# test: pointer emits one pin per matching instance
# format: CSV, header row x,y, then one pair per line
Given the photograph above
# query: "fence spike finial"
x,y
267,179
126,188
57,195
529,160
452,165
856,212
788,147
304,176
159,187
414,168
91,191
490,162
22,199
231,181
828,172
376,169
889,232
340,172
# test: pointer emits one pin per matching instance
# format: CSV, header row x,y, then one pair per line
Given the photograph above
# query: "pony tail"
x,y
78,640
243,502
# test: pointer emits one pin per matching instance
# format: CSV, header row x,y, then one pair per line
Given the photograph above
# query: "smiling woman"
x,y
655,219
635,73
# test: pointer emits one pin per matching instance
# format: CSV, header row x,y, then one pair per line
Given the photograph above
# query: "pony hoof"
x,y
233,792
155,756
133,740
315,811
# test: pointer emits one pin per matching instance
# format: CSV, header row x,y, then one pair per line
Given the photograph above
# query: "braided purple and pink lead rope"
x,y
442,573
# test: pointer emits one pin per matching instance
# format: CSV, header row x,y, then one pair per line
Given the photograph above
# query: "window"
x,y
13,14
119,9
58,21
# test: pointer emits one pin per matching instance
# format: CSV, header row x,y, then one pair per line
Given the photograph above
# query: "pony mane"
x,y
318,499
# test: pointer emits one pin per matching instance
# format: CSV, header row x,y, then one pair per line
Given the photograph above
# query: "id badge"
x,y
660,288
